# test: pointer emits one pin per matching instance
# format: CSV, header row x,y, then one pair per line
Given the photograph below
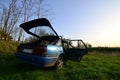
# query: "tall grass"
x,y
93,66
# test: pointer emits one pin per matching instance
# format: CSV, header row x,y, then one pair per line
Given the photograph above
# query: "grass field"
x,y
93,66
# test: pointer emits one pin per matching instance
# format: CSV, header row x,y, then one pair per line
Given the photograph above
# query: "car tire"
x,y
60,62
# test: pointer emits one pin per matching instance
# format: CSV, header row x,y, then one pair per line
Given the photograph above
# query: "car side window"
x,y
77,44
65,45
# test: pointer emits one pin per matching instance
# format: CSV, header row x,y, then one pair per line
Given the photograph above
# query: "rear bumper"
x,y
36,60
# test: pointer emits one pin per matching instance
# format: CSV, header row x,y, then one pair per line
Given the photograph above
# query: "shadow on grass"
x,y
9,65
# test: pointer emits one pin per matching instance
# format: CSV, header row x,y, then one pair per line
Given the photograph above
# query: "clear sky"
x,y
94,21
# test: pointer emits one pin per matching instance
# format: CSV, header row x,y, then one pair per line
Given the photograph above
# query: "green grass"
x,y
93,66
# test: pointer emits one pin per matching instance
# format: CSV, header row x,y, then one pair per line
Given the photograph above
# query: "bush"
x,y
7,47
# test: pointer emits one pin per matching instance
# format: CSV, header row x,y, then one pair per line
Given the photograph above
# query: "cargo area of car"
x,y
41,42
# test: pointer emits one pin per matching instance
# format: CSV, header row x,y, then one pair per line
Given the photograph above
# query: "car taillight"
x,y
40,51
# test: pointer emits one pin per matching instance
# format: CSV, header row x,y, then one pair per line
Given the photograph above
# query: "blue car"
x,y
43,47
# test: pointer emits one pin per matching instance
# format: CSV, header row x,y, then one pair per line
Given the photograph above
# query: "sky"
x,y
94,21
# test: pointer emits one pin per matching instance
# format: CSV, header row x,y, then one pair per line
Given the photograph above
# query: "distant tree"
x,y
15,12
9,15
88,45
27,12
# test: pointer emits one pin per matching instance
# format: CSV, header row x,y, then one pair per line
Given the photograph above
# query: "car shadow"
x,y
10,66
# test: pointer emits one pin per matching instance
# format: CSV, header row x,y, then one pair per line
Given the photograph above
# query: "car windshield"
x,y
42,31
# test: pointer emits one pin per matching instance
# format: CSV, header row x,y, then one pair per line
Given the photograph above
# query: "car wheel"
x,y
60,62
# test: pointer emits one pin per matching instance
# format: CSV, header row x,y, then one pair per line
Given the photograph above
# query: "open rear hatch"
x,y
37,23
41,33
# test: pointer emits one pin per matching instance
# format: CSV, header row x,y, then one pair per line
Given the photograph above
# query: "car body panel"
x,y
54,50
36,60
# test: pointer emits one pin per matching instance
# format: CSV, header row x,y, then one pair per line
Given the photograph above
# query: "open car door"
x,y
75,49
